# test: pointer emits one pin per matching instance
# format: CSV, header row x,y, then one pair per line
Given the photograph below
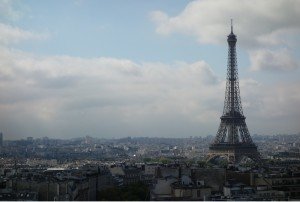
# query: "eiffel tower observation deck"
x,y
233,139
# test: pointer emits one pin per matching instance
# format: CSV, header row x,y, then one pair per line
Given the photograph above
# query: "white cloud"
x,y
59,95
77,96
55,90
280,60
12,35
267,25
8,10
256,22
274,108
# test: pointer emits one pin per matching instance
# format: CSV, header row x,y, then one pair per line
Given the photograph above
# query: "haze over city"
x,y
145,68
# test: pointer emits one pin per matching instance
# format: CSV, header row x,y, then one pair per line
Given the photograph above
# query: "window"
x,y
198,193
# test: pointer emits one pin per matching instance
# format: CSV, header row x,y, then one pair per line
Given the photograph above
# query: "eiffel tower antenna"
x,y
231,25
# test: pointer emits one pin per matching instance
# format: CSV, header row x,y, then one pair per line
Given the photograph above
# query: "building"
x,y
162,190
186,189
286,182
183,183
238,191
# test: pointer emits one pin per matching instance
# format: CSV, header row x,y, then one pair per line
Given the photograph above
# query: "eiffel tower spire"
x,y
233,133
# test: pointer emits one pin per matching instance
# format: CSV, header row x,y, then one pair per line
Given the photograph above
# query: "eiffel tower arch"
x,y
233,139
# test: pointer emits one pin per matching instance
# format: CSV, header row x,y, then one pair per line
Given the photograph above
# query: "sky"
x,y
114,68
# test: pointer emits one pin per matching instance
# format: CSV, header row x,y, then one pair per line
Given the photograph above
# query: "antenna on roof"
x,y
231,25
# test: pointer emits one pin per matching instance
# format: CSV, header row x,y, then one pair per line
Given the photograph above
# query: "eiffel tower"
x,y
233,139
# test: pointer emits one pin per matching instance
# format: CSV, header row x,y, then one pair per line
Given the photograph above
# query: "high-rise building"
x,y
233,139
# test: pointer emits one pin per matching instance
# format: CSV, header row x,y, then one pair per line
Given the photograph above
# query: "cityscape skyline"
x,y
75,68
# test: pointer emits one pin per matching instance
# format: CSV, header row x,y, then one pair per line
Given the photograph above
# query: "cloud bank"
x,y
92,94
272,60
258,25
258,22
105,97
13,35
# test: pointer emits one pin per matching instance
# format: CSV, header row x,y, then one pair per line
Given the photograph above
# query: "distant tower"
x,y
1,139
233,139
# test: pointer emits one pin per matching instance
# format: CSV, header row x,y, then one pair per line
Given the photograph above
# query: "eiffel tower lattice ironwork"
x,y
233,139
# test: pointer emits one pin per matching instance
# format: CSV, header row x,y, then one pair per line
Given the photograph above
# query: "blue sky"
x,y
120,29
145,68
101,28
